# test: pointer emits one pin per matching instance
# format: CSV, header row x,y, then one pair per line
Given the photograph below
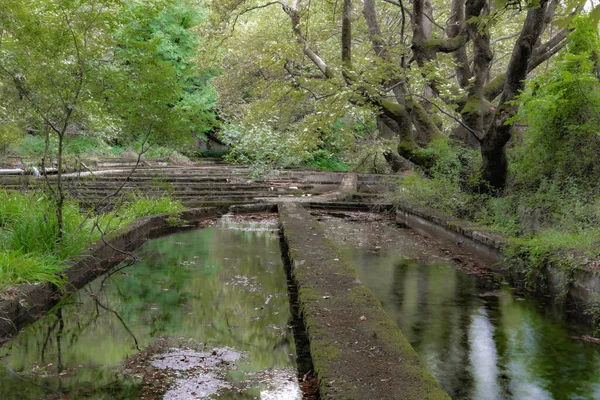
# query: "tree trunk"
x,y
60,194
387,127
493,145
493,154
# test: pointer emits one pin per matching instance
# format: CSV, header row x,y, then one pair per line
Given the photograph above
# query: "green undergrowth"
x,y
326,161
30,250
85,147
547,223
200,154
550,207
17,267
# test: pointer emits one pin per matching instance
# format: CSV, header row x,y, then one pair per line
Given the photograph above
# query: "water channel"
x,y
208,308
205,314
478,339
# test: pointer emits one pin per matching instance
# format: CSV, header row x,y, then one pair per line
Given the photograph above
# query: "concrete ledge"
x,y
23,304
579,286
487,244
253,208
467,229
358,352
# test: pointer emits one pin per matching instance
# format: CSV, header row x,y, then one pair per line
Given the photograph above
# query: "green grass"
x,y
138,206
30,146
17,267
29,247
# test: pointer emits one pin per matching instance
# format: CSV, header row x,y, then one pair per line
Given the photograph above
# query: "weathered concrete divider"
x,y
24,304
358,352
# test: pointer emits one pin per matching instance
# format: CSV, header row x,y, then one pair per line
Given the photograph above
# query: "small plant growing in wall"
x,y
175,221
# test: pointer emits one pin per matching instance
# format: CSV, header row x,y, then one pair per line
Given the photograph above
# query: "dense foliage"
x,y
119,71
550,207
489,109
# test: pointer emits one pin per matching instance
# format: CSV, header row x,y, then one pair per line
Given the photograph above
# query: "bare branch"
x,y
16,375
137,346
401,5
314,57
501,38
247,10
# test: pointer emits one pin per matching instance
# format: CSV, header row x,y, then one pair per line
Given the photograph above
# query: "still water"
x,y
478,339
211,302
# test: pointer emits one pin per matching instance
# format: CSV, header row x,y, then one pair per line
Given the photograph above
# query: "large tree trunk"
x,y
493,154
387,127
493,145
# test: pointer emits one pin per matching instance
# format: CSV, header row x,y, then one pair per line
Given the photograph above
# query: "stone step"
x,y
182,188
372,188
194,200
181,194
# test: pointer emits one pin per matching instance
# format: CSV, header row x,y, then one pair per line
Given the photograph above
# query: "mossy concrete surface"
x,y
358,352
477,233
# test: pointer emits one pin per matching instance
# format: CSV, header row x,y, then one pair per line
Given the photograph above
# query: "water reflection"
x,y
474,336
219,286
483,357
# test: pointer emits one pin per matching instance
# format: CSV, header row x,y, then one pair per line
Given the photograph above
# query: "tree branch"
x,y
247,10
314,57
475,134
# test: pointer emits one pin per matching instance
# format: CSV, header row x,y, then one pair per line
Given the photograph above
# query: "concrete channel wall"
x,y
358,352
579,287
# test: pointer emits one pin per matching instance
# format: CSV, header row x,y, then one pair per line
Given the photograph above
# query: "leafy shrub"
x,y
82,145
367,157
220,154
261,145
327,161
10,135
450,183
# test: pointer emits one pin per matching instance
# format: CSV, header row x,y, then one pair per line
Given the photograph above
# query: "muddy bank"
x,y
357,350
20,305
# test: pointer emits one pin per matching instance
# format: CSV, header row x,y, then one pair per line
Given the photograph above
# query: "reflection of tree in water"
x,y
116,314
438,311
434,304
179,290
449,317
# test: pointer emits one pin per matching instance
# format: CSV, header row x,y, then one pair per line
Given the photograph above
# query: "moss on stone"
x,y
362,296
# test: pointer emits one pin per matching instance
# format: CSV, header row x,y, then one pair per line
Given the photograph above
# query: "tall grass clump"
x,y
30,249
137,206
17,267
